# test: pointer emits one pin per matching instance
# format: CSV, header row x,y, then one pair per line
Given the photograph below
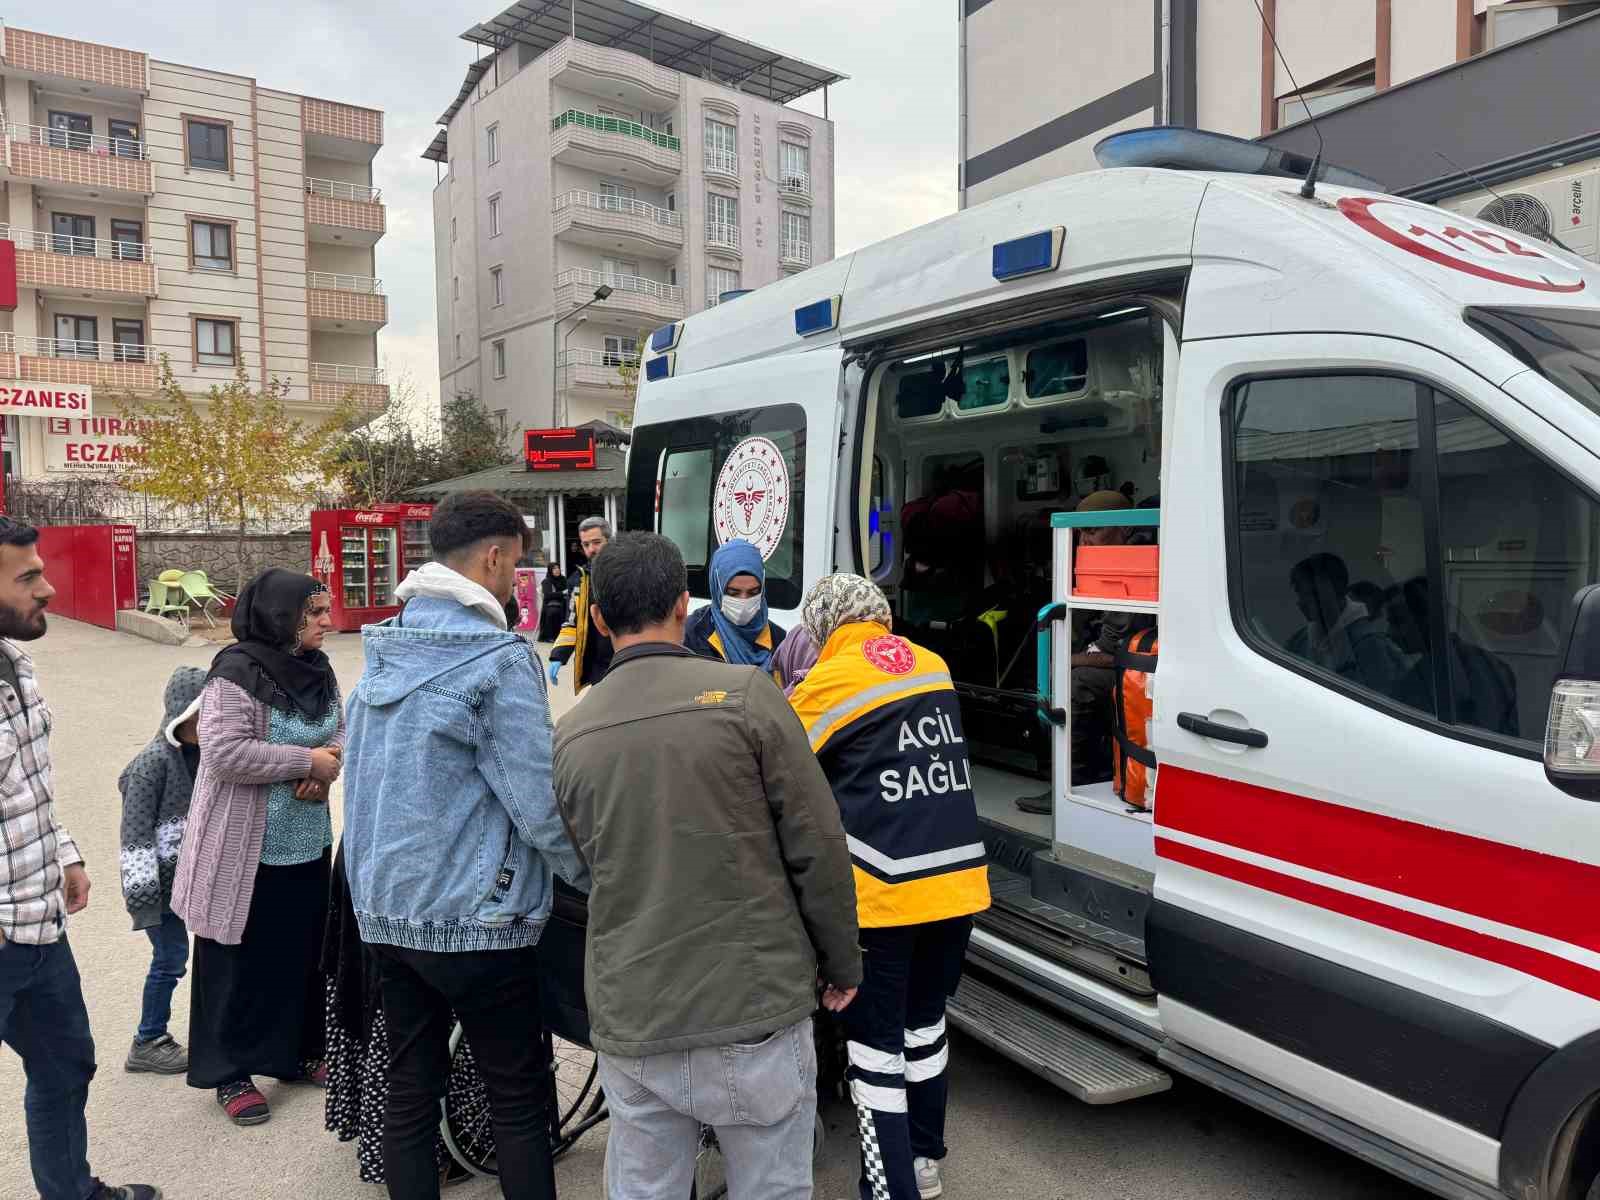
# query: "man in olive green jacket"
x,y
721,884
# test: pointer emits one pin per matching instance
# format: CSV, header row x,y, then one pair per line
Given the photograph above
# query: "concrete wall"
x,y
282,215
1228,69
217,554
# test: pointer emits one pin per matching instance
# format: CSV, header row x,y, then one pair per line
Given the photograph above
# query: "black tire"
x,y
1594,1190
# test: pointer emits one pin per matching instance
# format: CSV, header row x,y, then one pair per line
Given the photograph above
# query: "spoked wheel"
x,y
465,1124
580,1105
710,1176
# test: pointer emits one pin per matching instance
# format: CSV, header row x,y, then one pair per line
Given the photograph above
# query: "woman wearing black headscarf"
x,y
252,878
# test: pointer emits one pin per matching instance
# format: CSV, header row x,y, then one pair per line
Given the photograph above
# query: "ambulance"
x,y
1358,441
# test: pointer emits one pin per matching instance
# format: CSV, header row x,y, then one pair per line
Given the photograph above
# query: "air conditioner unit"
x,y
1561,207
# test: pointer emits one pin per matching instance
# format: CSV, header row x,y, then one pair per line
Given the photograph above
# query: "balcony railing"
x,y
80,348
338,189
722,236
798,186
575,116
71,139
797,253
345,373
602,202
599,358
724,162
621,283
88,247
334,282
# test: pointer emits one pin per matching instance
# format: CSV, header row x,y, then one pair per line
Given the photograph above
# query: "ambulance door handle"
x,y
1255,739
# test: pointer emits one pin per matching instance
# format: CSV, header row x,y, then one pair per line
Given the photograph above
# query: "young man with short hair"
x,y
451,836
721,885
42,880
579,639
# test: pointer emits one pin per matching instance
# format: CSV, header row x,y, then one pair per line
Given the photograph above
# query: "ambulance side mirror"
x,y
1572,733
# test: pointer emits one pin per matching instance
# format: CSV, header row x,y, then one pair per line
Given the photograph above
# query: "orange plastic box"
x,y
1118,572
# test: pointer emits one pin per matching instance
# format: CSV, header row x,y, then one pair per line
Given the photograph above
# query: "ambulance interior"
x,y
974,447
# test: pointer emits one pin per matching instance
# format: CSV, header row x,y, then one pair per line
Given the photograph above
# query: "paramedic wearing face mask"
x,y
734,626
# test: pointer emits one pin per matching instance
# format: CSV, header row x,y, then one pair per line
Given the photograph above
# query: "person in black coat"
x,y
552,603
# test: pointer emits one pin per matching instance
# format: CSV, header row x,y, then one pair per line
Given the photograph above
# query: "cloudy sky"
x,y
896,116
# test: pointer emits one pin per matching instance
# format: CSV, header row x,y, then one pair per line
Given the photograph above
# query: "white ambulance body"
x,y
1366,427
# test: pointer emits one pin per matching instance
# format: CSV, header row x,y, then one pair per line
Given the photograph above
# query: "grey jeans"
x,y
761,1099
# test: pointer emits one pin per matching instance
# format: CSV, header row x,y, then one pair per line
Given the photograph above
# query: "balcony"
x,y
609,222
795,255
345,303
597,368
79,164
586,67
722,237
632,296
124,366
59,264
43,56
368,387
723,163
342,131
345,214
795,187
594,143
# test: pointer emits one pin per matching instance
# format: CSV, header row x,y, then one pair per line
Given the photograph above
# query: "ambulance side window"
x,y
1389,541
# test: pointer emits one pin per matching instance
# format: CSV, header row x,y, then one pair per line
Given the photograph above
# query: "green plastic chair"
x,y
160,602
197,589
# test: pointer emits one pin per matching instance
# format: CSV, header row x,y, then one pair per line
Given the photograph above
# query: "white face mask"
x,y
741,611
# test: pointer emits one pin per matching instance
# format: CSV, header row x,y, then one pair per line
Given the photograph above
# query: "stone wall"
x,y
217,554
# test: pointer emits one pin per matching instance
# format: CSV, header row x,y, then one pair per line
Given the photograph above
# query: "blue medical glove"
x,y
554,673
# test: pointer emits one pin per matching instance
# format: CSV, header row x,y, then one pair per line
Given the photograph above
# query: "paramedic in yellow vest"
x,y
885,723
579,639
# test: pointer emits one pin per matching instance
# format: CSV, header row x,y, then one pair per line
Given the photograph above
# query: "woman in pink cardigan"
x,y
252,877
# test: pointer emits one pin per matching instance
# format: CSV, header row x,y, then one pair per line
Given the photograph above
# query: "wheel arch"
x,y
1550,1143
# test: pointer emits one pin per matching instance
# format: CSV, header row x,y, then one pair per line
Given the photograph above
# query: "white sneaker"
x,y
929,1185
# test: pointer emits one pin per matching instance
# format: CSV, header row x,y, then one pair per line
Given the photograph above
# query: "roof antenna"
x,y
1484,184
1308,189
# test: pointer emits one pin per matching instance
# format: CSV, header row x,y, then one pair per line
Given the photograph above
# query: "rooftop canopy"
x,y
515,482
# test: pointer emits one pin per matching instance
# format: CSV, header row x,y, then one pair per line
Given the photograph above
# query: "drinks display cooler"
x,y
362,554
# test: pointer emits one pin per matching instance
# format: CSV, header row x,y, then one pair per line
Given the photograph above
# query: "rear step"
x,y
1092,1069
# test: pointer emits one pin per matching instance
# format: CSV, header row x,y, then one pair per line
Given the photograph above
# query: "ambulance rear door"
x,y
747,451
1367,894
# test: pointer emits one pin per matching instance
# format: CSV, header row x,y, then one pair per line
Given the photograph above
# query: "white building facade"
x,y
1434,98
161,210
569,164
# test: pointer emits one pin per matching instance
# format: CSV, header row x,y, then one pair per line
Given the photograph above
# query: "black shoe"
x,y
128,1191
1035,804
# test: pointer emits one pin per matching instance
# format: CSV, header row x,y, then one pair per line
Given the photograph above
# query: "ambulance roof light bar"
x,y
1179,149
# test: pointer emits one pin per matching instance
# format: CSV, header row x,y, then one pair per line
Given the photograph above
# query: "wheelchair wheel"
x,y
579,1102
465,1123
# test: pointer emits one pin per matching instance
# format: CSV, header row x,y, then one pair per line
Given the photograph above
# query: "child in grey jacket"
x,y
156,787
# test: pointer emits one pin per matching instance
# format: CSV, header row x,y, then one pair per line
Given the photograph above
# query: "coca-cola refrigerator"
x,y
362,554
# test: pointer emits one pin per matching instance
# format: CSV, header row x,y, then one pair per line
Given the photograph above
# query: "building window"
x,y
617,197
206,144
494,144
499,347
672,276
797,238
619,349
494,216
127,340
77,337
125,141
722,147
498,416
794,166
1507,23
718,281
722,220
672,201
70,131
71,233
127,241
1329,94
211,245
497,285
216,342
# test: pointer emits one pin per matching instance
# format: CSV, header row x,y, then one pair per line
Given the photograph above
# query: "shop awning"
x,y
518,484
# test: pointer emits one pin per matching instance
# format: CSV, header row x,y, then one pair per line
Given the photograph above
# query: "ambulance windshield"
x,y
1562,344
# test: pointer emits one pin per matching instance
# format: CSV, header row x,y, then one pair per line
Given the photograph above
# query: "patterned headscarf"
x,y
842,600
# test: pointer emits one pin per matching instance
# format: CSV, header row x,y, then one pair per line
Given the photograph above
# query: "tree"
x,y
469,438
242,456
383,459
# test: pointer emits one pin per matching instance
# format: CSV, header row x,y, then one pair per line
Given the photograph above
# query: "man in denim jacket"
x,y
451,834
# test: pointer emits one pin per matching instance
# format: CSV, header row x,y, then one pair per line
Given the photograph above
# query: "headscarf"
x,y
1104,501
842,600
794,659
266,661
739,557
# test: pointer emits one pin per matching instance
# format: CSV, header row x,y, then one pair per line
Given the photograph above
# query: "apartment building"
x,y
605,144
1435,98
161,210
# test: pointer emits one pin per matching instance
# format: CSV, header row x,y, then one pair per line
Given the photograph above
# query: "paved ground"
x,y
1010,1134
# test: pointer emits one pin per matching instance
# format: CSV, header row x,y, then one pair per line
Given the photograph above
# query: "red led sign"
x,y
559,449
